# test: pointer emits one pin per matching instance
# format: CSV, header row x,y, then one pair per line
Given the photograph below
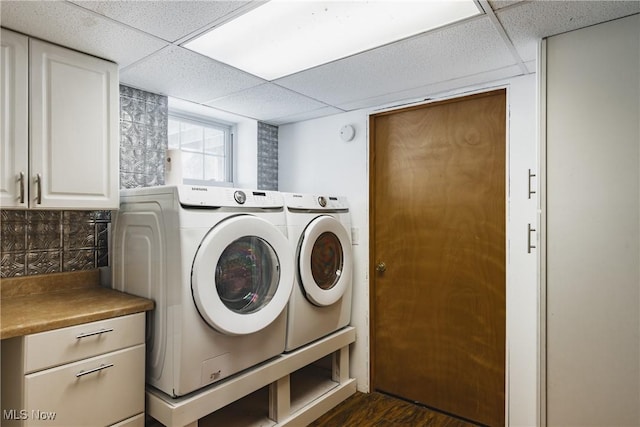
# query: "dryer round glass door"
x,y
242,275
325,260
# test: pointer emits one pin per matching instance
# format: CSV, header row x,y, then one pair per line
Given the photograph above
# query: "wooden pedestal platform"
x,y
285,391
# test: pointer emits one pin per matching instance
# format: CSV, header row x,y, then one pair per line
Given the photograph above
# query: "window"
x,y
206,147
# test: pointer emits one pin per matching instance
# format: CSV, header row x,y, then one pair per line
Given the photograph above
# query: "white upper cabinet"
x,y
73,128
14,138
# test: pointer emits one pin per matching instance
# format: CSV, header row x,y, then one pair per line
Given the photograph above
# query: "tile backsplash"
x,y
267,156
38,242
143,137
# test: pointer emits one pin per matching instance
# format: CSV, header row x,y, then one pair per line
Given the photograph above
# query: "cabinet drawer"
x,y
99,391
60,346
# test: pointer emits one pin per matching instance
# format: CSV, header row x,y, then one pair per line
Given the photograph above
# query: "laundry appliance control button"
x,y
240,197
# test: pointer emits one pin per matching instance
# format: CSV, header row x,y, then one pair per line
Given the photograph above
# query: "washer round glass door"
x,y
242,275
324,260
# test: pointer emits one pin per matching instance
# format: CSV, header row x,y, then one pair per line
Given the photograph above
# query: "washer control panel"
x,y
216,197
240,196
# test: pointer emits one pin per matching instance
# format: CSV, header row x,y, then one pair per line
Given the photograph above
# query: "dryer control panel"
x,y
314,202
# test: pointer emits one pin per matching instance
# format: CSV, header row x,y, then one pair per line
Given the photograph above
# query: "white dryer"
x,y
219,267
319,231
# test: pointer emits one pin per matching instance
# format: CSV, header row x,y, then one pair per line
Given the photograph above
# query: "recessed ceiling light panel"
x,y
282,37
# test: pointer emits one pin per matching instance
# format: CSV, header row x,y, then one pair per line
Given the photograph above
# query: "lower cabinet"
x,y
97,380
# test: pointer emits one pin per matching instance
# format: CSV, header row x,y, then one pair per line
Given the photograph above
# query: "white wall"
x,y
522,281
313,158
245,153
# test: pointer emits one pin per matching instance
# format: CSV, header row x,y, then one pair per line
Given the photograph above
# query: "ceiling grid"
x,y
498,44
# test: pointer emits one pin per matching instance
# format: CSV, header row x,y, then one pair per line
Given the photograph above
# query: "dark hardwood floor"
x,y
359,410
380,410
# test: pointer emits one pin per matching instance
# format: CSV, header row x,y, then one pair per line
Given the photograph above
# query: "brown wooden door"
x,y
438,225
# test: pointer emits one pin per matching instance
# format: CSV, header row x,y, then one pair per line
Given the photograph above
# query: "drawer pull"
x,y
21,181
90,334
38,189
94,370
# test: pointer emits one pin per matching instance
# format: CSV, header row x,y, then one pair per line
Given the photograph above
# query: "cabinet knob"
x,y
381,267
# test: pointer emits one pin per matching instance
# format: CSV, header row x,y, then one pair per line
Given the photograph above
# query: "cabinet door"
x,y
73,129
593,226
13,120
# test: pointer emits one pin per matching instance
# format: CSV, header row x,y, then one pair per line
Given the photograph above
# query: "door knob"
x,y
381,267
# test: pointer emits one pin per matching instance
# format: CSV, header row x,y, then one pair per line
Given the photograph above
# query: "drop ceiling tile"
x,y
169,20
499,4
184,74
468,48
307,115
436,90
266,102
68,25
529,22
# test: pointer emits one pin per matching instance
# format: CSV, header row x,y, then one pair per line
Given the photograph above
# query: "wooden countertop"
x,y
50,301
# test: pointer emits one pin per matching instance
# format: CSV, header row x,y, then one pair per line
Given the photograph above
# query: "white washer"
x,y
219,267
319,231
